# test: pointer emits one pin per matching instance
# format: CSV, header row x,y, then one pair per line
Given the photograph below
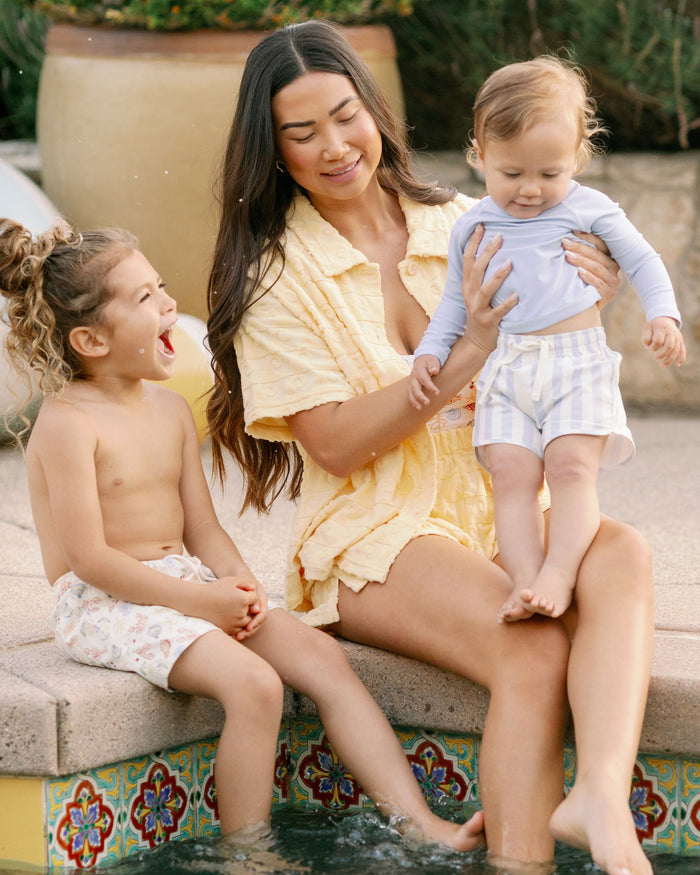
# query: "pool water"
x,y
318,843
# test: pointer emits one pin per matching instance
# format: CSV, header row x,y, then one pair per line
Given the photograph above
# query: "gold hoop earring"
x,y
280,167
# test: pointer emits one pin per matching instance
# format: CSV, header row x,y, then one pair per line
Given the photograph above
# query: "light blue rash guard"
x,y
548,287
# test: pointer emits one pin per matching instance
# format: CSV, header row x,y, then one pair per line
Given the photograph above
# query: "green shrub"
x,y
22,34
643,58
219,14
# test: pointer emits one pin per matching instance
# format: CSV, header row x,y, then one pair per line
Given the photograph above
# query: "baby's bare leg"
x,y
571,468
312,662
516,474
250,691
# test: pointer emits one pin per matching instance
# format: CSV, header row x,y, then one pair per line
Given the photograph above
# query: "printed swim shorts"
x,y
96,629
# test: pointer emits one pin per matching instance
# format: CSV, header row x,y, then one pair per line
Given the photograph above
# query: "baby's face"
x,y
531,173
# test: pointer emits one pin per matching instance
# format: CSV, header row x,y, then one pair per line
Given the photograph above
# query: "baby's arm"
x,y
420,380
647,274
65,444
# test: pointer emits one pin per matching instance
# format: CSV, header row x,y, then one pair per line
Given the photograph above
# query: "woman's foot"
x,y
592,822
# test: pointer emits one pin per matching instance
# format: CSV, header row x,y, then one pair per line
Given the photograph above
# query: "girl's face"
x,y
531,173
140,316
326,137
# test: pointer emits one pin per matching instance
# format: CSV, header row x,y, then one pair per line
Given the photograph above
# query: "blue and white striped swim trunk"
x,y
537,387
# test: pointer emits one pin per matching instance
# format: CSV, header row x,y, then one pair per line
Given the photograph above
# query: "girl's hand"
x,y
420,380
257,614
663,337
483,319
595,266
231,603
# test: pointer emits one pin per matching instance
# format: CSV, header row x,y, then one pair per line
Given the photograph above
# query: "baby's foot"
x,y
513,609
550,594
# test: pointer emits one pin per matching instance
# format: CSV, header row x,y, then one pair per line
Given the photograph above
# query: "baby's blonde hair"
x,y
516,96
54,283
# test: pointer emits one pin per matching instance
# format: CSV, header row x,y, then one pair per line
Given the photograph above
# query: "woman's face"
x,y
326,137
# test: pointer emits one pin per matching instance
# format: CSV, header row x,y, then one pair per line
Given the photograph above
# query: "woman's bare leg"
x,y
312,662
608,680
439,604
250,691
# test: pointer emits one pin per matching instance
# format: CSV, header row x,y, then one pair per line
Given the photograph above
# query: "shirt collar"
x,y
428,229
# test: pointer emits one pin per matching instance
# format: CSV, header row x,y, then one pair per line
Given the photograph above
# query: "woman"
x,y
329,259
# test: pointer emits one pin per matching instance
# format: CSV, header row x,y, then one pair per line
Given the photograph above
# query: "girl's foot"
x,y
458,836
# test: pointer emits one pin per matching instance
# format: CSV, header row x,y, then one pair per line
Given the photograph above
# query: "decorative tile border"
x,y
101,816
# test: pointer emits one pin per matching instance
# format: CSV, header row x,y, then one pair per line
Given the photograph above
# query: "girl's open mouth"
x,y
165,343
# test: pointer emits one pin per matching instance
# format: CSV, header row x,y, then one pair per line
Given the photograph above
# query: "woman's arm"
x,y
343,436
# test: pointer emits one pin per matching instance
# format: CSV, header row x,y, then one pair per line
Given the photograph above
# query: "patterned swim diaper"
x,y
96,629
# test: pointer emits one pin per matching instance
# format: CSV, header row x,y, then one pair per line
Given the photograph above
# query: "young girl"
x,y
118,496
548,398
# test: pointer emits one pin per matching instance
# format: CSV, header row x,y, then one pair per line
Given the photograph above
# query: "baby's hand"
x,y
663,337
421,380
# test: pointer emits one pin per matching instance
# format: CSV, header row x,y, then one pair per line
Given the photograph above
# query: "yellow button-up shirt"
x,y
318,336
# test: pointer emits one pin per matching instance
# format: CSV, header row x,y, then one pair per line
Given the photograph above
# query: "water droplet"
x,y
136,176
166,172
142,351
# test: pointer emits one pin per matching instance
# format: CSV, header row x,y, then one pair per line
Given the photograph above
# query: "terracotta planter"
x,y
131,126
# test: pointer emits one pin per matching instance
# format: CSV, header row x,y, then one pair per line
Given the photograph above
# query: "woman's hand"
x,y
483,319
595,266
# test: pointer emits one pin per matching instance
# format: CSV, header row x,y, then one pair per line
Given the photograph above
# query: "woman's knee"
x,y
537,660
619,560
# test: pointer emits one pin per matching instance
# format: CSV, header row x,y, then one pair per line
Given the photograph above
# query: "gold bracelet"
x,y
479,344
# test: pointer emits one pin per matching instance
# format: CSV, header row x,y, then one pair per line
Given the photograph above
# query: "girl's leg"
x,y
517,477
250,692
439,604
608,679
571,467
312,662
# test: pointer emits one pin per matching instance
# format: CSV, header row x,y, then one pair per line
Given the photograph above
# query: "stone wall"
x,y
661,195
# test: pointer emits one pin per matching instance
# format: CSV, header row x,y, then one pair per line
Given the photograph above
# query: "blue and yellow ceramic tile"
x,y
207,811
569,768
689,796
445,765
83,823
317,777
157,798
281,782
653,801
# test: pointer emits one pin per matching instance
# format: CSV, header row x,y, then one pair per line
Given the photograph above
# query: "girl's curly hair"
x,y
53,284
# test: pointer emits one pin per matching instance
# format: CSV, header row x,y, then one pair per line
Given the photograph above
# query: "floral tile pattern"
x,y
317,777
653,802
569,768
207,810
689,797
83,825
99,817
158,793
444,764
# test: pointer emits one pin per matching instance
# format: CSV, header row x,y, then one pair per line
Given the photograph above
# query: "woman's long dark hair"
x,y
255,199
